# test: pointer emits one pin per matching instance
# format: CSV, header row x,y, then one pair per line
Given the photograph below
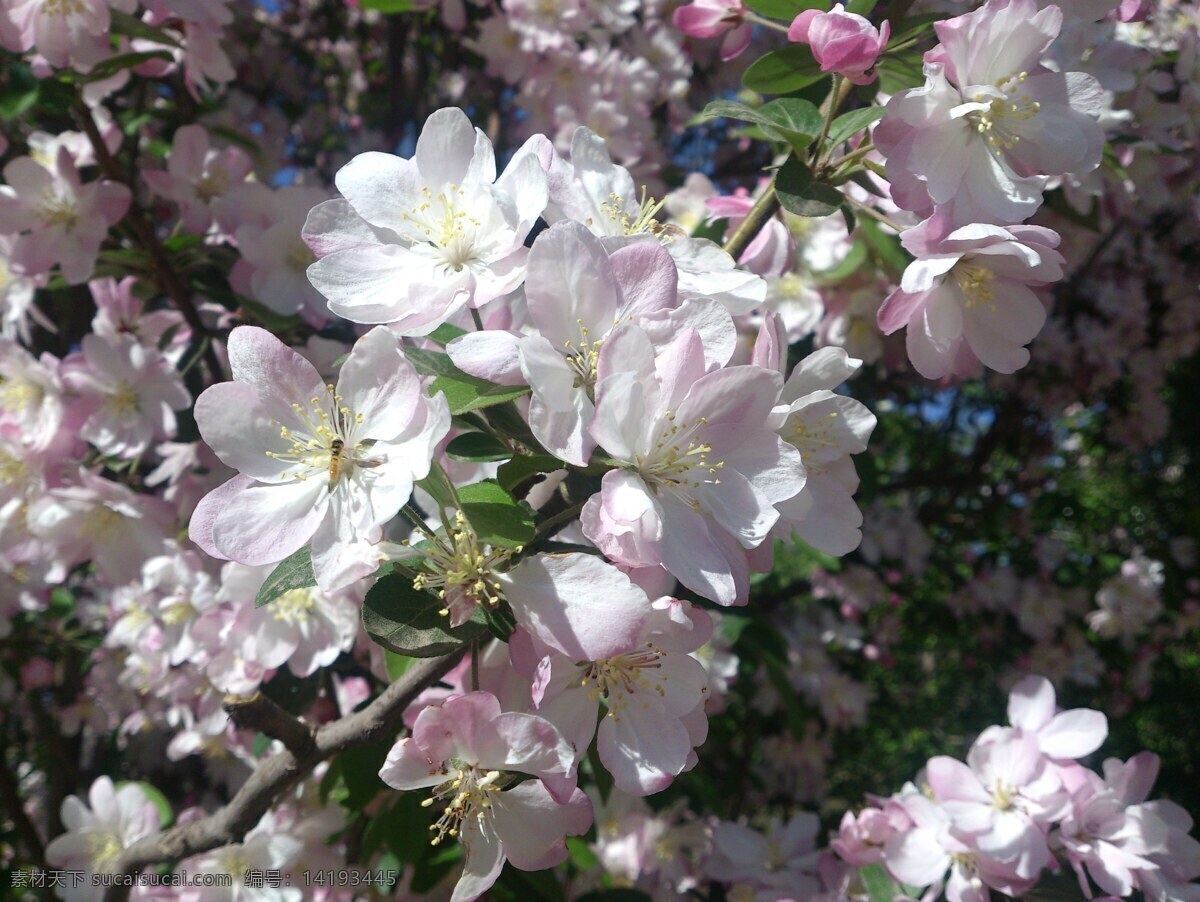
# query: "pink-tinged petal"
x,y
735,43
1133,780
799,29
564,432
200,530
647,278
707,561
577,604
334,225
263,524
916,857
823,369
930,359
408,767
380,187
447,151
570,286
532,825
241,428
1073,734
374,284
547,372
491,355
458,727
700,20
1031,703
643,747
274,370
951,779
378,383
529,744
483,862
620,414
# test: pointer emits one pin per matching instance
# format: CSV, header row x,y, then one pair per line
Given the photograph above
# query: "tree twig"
x,y
257,712
764,208
283,771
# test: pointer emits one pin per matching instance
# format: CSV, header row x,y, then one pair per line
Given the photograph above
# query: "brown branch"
x,y
283,771
764,208
169,282
257,712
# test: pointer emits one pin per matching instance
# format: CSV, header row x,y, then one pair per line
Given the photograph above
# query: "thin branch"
x,y
165,275
282,772
257,712
764,208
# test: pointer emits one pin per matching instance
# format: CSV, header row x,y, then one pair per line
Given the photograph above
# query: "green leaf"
x,y
114,64
783,9
524,467
20,91
880,887
479,447
388,7
783,71
156,798
898,73
293,572
126,24
438,485
855,258
496,517
397,664
861,7
885,245
463,391
445,333
799,194
791,119
849,124
406,621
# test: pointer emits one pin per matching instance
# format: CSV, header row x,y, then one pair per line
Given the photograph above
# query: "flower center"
x,y
295,606
996,120
12,468
17,394
616,679
470,793
325,442
56,210
440,221
1004,797
461,572
811,433
104,848
679,461
644,222
124,401
177,612
212,184
583,356
299,256
62,8
100,521
976,284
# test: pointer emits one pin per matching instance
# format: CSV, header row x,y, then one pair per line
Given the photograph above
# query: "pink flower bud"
x,y
710,18
842,42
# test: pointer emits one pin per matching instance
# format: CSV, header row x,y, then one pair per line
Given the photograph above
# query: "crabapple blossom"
x,y
591,189
1129,602
780,859
711,18
1058,734
317,462
99,830
197,175
72,34
1002,799
576,293
700,467
411,241
61,220
467,751
991,124
132,394
842,42
587,637
826,428
31,395
967,296
17,291
773,250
